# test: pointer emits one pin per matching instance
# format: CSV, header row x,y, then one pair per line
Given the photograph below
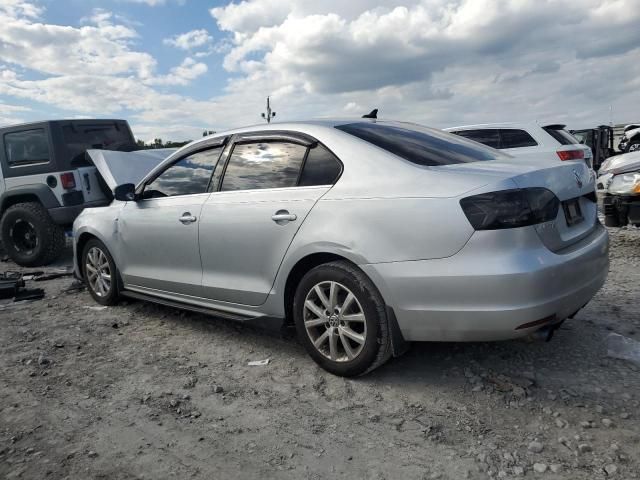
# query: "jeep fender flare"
x,y
42,192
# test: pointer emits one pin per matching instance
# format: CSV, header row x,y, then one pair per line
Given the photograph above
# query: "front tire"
x,y
100,273
341,319
29,235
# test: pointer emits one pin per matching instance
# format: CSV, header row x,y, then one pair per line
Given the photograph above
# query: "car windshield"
x,y
421,145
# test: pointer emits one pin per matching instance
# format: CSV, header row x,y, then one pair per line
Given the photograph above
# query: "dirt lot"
x,y
142,391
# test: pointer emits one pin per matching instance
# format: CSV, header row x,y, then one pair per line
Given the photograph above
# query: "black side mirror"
x,y
125,192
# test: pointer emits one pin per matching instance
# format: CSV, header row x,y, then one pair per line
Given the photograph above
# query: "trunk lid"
x,y
117,168
572,182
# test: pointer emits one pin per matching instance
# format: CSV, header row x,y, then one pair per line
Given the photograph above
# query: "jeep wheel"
x,y
29,236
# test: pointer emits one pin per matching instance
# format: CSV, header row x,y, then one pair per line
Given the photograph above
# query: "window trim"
x,y
271,136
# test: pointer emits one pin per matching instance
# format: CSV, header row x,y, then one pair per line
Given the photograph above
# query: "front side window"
x,y
485,136
263,165
188,176
515,138
420,145
28,147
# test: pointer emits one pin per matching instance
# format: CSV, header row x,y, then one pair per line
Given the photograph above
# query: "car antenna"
x,y
373,114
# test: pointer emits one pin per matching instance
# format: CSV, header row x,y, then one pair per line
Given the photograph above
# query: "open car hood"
x,y
117,168
625,163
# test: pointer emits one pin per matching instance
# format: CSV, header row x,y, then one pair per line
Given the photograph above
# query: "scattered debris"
x,y
217,389
258,363
97,308
29,294
619,346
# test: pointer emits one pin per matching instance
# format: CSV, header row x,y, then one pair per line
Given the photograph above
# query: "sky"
x,y
174,68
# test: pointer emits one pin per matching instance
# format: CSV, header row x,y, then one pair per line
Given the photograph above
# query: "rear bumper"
x,y
66,215
489,289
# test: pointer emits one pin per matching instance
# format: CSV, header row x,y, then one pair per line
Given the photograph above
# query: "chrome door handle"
x,y
187,218
283,216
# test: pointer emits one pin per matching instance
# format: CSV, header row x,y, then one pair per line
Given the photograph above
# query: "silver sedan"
x,y
364,234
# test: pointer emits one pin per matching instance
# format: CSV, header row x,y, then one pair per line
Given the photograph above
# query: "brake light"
x,y
570,154
67,180
510,208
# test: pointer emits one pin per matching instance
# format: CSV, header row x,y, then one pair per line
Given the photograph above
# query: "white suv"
x,y
528,140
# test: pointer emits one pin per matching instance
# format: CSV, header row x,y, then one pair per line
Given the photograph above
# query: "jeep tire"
x,y
30,236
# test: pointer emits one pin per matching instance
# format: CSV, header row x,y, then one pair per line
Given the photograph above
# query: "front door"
x,y
159,232
267,190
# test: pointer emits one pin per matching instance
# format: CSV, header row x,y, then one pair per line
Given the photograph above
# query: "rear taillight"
x,y
510,208
570,154
67,180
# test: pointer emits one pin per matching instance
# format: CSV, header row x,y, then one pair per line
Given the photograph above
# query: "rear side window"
x,y
188,176
263,165
515,138
28,147
320,168
487,136
420,145
561,135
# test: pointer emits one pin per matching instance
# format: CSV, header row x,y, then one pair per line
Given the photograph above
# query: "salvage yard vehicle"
x,y
599,140
630,140
364,234
46,181
528,140
619,184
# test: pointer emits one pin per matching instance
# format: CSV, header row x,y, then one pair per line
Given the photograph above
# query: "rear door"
x,y
518,142
269,186
159,233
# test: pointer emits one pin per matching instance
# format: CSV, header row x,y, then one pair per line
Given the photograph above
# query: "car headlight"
x,y
626,184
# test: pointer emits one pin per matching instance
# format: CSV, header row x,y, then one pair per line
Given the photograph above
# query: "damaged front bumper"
x,y
626,208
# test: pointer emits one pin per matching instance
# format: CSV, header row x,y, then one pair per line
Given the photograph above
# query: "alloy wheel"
x,y
98,272
335,321
634,147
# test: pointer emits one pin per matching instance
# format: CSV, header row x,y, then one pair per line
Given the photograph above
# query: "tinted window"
x,y
263,165
320,168
561,135
185,177
420,145
489,137
28,147
514,138
80,137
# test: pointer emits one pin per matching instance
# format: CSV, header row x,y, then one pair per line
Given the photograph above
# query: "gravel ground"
x,y
143,391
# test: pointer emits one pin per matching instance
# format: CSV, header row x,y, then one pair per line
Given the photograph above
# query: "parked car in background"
x,y
46,181
364,234
528,140
599,140
630,141
619,186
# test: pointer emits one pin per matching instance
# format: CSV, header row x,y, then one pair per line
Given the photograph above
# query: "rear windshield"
x,y
420,145
561,135
80,137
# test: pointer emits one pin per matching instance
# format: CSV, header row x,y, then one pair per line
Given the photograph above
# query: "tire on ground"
x,y
114,293
50,239
377,347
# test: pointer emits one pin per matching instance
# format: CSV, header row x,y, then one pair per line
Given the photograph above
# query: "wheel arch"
x,y
41,194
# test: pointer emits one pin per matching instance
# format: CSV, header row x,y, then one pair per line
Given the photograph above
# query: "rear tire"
x,y
347,334
100,273
29,235
611,221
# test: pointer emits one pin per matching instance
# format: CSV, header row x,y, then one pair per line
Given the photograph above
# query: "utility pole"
x,y
269,115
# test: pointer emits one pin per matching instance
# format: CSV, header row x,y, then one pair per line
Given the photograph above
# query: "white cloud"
x,y
189,40
183,74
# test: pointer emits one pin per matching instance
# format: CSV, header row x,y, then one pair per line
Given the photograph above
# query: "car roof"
x,y
62,120
522,125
